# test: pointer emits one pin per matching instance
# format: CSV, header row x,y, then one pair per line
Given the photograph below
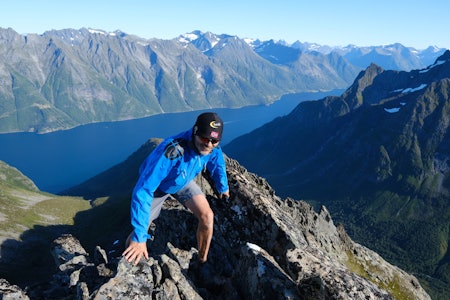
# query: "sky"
x,y
413,23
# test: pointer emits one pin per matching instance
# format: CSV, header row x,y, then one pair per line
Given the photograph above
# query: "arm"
x,y
217,167
152,172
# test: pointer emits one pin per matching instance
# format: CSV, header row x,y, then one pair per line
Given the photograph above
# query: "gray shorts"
x,y
187,192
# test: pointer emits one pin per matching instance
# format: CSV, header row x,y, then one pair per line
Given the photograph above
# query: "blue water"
x,y
59,160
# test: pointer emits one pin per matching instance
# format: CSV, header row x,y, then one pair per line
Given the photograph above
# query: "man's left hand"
x,y
225,196
135,251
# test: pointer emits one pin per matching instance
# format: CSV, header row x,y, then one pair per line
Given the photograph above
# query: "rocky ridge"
x,y
275,248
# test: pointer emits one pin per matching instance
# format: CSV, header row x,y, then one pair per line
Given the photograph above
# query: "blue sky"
x,y
413,23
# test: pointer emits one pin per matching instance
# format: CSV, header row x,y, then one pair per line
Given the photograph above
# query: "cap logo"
x,y
214,124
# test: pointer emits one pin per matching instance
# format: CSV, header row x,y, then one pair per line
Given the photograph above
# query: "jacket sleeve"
x,y
154,169
217,167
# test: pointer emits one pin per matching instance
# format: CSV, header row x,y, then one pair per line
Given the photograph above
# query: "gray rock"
x,y
11,292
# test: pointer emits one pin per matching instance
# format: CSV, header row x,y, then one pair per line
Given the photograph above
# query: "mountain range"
x,y
378,157
65,78
390,57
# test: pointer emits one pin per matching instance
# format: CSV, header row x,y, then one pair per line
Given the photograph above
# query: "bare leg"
x,y
201,209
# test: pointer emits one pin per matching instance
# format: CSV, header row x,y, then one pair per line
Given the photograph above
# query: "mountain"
x,y
273,248
65,78
377,156
392,57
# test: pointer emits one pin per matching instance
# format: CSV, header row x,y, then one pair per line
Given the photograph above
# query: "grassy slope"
x,y
29,221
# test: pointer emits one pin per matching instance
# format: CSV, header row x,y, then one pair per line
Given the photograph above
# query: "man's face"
x,y
205,145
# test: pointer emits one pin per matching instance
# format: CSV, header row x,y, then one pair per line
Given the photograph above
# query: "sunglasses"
x,y
207,140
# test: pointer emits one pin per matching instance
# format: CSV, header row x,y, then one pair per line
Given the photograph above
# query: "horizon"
x,y
411,23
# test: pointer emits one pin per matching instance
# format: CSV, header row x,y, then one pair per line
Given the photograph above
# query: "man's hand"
x,y
225,196
135,251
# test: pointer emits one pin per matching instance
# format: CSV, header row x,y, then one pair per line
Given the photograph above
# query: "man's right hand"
x,y
225,196
135,251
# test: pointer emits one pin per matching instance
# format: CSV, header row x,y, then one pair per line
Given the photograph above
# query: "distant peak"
x,y
369,73
99,31
444,57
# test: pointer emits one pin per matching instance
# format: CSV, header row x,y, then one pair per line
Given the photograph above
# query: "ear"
x,y
195,129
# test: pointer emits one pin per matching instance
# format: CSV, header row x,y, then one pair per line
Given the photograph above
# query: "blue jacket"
x,y
168,170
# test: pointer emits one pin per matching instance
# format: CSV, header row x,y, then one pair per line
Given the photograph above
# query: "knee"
x,y
206,218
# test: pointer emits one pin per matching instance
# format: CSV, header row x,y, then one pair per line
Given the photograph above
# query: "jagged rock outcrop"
x,y
264,247
10,291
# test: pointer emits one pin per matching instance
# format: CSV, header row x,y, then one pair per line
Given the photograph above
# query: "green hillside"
x,y
29,221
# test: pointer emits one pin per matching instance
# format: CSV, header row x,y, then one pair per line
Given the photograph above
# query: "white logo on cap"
x,y
214,124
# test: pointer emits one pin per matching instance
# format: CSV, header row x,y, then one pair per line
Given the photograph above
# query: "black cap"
x,y
209,125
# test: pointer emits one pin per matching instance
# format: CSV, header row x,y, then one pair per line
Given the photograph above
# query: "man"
x,y
171,169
